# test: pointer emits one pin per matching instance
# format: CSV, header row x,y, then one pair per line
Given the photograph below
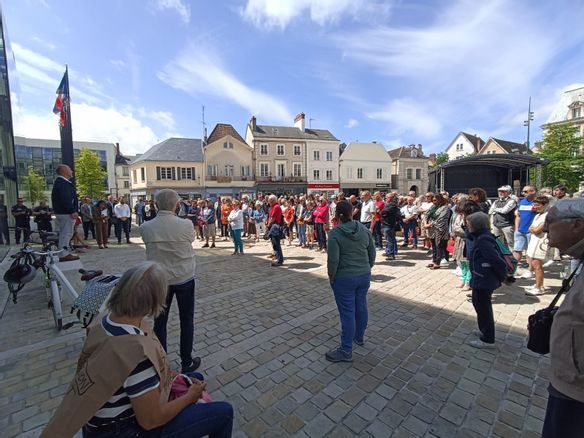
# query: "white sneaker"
x,y
534,291
444,263
477,343
458,271
548,263
526,275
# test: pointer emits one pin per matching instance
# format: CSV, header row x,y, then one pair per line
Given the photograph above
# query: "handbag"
x,y
539,325
181,384
88,304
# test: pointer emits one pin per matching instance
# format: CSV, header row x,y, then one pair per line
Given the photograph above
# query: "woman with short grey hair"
x,y
166,199
488,271
123,382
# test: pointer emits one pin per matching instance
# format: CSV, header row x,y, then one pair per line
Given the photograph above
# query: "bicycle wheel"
x,y
55,305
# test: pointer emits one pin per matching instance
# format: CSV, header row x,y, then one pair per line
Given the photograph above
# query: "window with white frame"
x,y
142,174
329,175
576,112
329,156
349,173
125,171
316,155
379,173
359,173
316,174
280,170
245,171
212,169
409,173
280,149
297,169
263,149
134,177
418,173
166,173
227,145
297,150
126,184
186,173
264,169
228,170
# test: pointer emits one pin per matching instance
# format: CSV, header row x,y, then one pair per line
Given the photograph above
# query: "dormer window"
x,y
577,112
227,145
414,153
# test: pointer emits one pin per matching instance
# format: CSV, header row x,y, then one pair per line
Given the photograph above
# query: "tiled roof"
x,y
291,132
222,130
512,147
402,152
476,141
174,149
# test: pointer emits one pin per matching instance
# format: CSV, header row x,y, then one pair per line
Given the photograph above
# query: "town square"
x,y
277,218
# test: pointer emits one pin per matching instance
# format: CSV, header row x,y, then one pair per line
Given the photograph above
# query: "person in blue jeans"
x,y
390,216
236,221
524,215
123,378
351,255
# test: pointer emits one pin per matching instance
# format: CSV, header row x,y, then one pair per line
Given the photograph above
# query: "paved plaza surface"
x,y
262,333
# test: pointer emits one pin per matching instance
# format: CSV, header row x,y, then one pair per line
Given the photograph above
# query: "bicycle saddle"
x,y
89,275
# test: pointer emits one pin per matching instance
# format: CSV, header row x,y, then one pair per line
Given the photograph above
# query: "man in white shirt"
x,y
367,210
409,214
424,206
123,213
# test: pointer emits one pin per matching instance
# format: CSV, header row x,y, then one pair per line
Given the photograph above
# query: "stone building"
x,y
409,169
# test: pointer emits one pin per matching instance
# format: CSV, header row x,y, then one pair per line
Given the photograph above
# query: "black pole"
x,y
67,131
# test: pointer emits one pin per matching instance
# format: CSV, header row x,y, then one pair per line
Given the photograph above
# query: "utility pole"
x,y
528,121
310,123
204,127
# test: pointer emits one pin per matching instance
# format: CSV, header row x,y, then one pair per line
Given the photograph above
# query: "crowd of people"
x,y
482,241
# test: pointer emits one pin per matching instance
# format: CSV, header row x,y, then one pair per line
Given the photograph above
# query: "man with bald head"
x,y
65,205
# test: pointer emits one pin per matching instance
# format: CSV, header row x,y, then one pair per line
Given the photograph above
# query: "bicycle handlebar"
x,y
47,253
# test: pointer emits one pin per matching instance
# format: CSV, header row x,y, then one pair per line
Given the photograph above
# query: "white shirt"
x,y
367,211
408,211
122,210
235,219
426,206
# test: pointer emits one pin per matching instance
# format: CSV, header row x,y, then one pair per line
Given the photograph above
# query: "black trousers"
x,y
320,235
481,301
20,229
564,417
87,227
122,226
439,250
4,232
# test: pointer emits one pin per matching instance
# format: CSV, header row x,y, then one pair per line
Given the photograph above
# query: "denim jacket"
x,y
486,264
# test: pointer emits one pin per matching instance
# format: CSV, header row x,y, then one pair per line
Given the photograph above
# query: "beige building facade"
x,y
176,163
229,167
569,109
409,169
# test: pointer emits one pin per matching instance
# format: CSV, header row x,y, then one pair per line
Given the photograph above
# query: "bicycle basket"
x,y
94,294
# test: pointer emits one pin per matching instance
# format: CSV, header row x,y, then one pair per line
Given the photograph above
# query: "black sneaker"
x,y
195,364
213,246
338,355
360,343
277,264
206,245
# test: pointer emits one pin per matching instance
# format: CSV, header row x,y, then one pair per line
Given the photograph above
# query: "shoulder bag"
x,y
539,326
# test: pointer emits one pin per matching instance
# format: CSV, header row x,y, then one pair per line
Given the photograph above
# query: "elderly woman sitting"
x,y
123,380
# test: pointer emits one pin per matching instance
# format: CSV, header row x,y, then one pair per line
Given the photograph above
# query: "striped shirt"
x,y
141,380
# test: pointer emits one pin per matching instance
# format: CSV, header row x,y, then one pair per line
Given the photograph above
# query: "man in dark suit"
x,y
65,206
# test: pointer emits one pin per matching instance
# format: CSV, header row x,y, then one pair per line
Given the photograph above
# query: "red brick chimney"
x,y
299,121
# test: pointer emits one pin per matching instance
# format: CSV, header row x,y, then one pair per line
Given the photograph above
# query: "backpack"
x,y
509,260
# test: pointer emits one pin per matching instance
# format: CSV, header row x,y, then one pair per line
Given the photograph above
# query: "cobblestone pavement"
x,y
262,333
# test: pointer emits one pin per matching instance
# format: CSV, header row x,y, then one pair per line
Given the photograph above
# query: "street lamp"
x,y
528,121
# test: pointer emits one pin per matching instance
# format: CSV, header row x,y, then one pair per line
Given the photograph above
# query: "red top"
x,y
379,205
289,214
321,214
276,214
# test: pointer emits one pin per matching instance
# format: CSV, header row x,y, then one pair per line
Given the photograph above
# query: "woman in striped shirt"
x,y
123,369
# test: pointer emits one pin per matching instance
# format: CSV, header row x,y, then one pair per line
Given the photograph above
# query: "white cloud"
x,y
198,71
469,63
279,13
351,123
118,64
163,118
44,43
183,10
90,123
408,116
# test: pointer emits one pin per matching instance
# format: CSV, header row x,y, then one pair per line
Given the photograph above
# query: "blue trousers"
x,y
391,242
564,416
238,243
410,230
197,420
301,231
185,298
276,246
351,298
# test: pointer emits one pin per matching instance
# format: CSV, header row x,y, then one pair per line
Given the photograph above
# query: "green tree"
x,y
441,158
35,186
561,146
89,175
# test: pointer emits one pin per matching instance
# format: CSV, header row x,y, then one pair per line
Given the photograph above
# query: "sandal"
x,y
434,267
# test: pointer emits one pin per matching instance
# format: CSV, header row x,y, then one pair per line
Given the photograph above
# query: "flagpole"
x,y
66,130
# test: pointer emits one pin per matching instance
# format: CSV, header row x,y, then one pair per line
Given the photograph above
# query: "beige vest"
x,y
103,366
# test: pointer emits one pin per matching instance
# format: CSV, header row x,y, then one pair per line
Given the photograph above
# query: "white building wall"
x,y
322,164
460,148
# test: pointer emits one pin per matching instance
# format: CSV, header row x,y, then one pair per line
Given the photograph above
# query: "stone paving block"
x,y
307,411
386,391
292,424
355,423
366,412
319,426
453,413
379,429
415,425
301,395
337,411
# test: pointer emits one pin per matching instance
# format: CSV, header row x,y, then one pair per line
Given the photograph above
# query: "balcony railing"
x,y
284,179
228,179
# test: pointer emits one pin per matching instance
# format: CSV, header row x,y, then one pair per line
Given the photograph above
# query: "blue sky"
x,y
398,72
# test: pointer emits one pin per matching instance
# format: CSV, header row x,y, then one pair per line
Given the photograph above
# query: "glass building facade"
x,y
45,160
8,178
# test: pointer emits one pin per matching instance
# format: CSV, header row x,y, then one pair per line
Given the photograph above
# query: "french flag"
x,y
62,102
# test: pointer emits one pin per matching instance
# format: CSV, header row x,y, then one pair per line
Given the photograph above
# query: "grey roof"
x,y
174,149
265,131
476,141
